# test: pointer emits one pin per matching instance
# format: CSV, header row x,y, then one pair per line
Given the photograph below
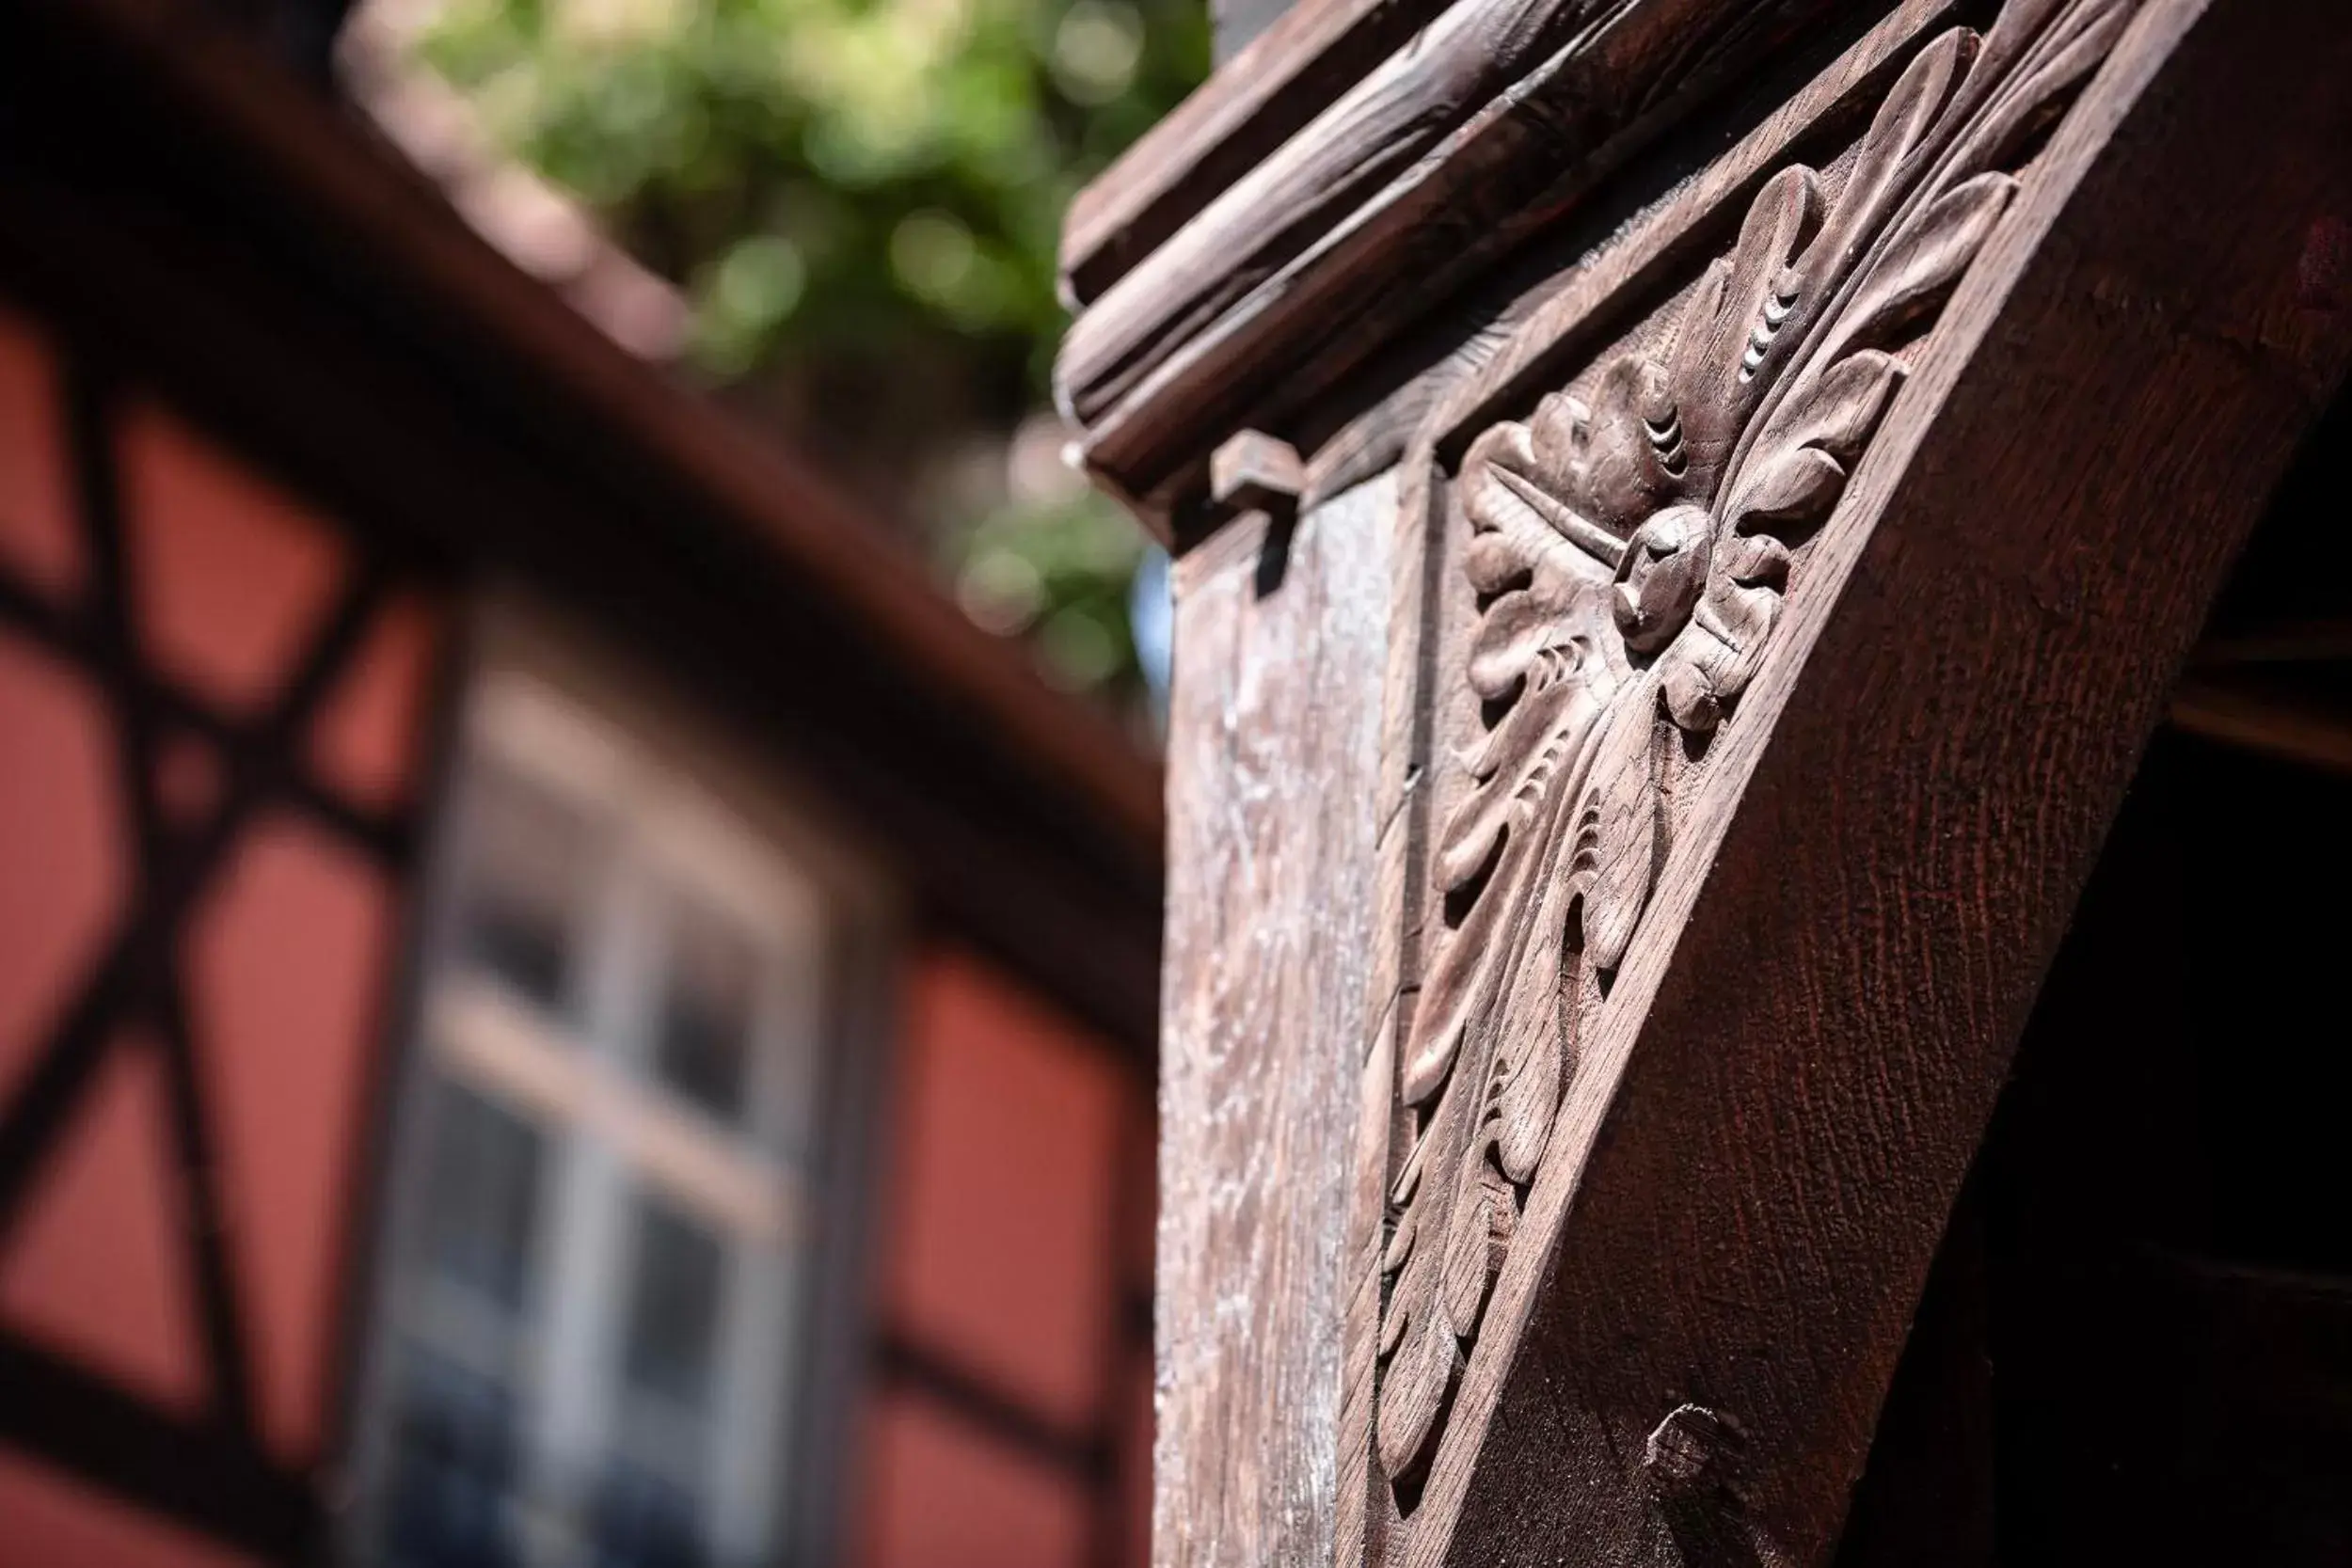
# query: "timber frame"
x,y
1687,514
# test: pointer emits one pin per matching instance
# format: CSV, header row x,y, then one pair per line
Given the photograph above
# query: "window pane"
x,y
453,1469
705,1021
640,1521
674,1305
481,1196
525,879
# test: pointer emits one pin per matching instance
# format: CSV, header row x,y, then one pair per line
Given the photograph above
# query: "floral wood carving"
x,y
1631,557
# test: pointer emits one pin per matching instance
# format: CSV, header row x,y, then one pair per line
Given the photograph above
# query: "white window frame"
x,y
696,813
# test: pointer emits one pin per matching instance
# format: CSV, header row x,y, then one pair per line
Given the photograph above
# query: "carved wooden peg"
x,y
1691,1452
1689,1468
1256,472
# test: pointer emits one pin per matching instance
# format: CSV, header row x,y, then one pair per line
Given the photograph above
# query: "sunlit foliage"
x,y
860,194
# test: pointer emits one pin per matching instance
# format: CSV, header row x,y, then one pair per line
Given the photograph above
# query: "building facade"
x,y
556,1004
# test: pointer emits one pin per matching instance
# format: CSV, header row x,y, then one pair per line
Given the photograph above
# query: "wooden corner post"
x,y
1686,514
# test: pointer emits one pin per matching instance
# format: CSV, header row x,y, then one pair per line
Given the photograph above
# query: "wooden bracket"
x,y
1255,472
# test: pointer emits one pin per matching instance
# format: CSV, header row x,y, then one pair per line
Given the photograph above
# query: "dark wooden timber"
x,y
1282,79
1276,740
195,1473
1766,1182
1782,589
1493,122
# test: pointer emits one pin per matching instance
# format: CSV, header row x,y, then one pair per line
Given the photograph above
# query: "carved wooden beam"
x,y
1776,867
1494,121
1588,986
1316,51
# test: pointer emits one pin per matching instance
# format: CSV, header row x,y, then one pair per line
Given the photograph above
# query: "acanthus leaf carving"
x,y
1632,559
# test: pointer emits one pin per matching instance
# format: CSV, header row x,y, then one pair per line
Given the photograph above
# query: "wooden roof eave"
x,y
404,228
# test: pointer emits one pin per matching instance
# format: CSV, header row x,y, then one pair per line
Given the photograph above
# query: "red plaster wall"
x,y
227,572
1001,1199
37,542
64,871
287,969
98,1268
1013,1158
945,1496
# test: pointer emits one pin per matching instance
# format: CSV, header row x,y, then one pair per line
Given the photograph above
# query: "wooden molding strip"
x,y
1493,122
1317,50
225,1490
1586,307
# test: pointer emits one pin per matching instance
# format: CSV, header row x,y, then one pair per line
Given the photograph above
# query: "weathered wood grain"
x,y
1491,124
1772,1117
1274,750
1280,81
1254,472
1594,300
2011,414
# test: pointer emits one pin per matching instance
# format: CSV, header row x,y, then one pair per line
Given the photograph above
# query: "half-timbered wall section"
x,y
1689,513
375,1157
220,708
214,702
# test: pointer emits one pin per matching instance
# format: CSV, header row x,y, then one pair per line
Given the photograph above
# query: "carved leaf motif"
x,y
1533,650
1617,838
1837,413
2031,69
1632,557
1422,1357
1926,258
1792,484
1903,137
1711,662
1517,629
1741,320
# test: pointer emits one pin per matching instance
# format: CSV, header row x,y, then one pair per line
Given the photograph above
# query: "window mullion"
x,y
591,1247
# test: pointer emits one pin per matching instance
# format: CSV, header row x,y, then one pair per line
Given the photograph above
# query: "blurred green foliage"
x,y
1061,570
875,184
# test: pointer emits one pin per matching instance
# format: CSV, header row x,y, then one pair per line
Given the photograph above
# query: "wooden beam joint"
x,y
1255,472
